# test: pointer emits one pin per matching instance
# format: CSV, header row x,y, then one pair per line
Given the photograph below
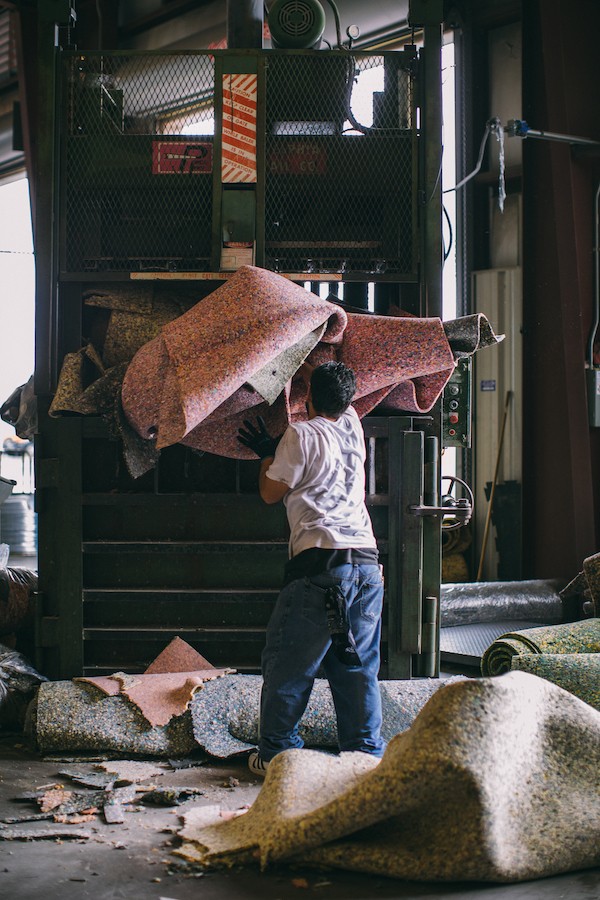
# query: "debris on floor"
x,y
13,834
112,790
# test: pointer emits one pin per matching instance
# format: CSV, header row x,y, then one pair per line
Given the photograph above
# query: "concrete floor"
x,y
134,860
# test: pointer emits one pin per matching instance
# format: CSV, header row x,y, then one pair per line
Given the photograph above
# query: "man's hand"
x,y
258,439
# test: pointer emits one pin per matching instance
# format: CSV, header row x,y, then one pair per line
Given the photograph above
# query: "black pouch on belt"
x,y
342,639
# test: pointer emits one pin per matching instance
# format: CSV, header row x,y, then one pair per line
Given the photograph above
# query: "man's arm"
x,y
269,490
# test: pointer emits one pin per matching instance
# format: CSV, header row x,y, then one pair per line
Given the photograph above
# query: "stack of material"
x,y
473,615
240,349
497,780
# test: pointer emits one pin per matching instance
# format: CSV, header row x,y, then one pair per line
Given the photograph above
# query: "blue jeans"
x,y
298,642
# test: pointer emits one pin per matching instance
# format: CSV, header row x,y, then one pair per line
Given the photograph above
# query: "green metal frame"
x,y
87,621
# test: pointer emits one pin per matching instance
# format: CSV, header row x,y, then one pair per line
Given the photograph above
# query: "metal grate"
x,y
468,643
340,180
138,162
141,164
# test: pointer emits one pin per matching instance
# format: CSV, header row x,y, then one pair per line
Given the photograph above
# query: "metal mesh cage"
x,y
141,175
138,162
340,176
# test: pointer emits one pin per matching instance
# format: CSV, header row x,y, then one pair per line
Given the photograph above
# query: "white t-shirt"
x,y
323,463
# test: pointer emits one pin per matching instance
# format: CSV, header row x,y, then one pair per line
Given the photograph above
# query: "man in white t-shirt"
x,y
329,610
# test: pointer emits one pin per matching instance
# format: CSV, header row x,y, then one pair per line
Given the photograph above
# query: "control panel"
x,y
456,407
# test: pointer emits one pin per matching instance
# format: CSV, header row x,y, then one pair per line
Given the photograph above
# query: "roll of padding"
x,y
498,601
578,673
72,716
573,637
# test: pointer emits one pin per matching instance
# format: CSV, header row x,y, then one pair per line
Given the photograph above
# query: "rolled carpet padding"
x,y
496,780
572,637
496,601
79,716
578,673
225,713
222,718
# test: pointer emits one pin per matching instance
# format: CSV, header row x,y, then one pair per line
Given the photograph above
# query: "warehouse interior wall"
x,y
561,72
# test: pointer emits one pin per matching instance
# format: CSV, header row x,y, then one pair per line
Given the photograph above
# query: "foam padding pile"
x,y
572,637
497,780
240,347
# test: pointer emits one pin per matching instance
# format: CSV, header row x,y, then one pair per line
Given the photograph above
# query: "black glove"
x,y
258,439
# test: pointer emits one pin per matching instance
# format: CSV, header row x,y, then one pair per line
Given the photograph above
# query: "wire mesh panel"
x,y
336,166
340,181
137,162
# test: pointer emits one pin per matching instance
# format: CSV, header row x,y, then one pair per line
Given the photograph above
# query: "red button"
x,y
451,432
453,417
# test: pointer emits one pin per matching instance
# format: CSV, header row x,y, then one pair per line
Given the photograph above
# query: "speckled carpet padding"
x,y
237,350
222,718
572,637
578,673
497,780
225,715
167,686
76,716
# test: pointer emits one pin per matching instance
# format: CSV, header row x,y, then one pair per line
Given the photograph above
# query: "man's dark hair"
x,y
332,388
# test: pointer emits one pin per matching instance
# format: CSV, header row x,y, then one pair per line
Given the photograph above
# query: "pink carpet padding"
x,y
166,687
192,383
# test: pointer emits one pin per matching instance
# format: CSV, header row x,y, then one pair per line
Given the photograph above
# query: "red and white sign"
x,y
181,157
238,161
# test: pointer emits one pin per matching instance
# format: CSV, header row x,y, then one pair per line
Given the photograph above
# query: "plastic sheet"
x,y
498,601
17,587
18,683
